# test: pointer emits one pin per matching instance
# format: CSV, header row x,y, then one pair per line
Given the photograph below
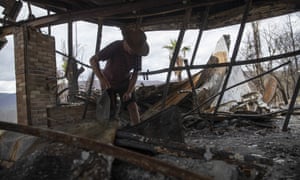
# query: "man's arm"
x,y
131,86
94,61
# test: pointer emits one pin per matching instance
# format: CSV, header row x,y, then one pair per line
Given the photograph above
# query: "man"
x,y
121,70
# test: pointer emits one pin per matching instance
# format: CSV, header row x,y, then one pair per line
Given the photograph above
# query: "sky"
x,y
85,38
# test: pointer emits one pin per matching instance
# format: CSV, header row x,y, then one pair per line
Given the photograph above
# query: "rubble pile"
x,y
185,135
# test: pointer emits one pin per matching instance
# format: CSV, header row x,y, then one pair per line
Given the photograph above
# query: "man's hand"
x,y
126,96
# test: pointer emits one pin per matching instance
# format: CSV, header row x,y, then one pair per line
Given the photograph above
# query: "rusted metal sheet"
x,y
135,158
211,79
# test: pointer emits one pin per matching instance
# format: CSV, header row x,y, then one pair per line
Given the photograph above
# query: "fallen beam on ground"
x,y
135,158
157,146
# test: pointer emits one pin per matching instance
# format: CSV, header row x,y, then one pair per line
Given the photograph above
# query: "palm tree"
x,y
185,49
172,45
179,59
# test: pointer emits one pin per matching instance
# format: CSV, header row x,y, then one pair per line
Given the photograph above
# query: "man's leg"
x,y
113,102
133,113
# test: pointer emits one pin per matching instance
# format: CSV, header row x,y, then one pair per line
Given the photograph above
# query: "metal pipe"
x,y
235,51
237,63
192,85
291,106
201,29
175,54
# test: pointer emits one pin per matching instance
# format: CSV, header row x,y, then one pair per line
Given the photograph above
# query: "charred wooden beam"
x,y
50,5
217,19
96,12
220,116
161,146
221,17
172,9
98,44
73,59
49,27
135,158
28,121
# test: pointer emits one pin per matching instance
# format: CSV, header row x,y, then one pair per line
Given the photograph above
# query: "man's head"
x,y
136,40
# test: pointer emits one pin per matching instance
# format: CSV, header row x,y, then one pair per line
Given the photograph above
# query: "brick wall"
x,y
69,114
34,64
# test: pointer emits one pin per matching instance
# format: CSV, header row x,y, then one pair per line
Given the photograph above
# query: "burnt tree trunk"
x,y
72,71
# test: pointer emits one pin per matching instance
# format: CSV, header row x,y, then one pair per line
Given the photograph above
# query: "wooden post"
x,y
98,44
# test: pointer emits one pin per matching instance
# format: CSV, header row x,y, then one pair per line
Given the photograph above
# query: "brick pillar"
x,y
34,63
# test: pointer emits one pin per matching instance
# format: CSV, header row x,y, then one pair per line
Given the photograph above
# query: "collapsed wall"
x,y
34,65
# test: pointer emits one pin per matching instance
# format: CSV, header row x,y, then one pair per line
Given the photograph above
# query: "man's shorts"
x,y
113,92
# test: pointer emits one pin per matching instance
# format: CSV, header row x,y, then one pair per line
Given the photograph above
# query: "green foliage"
x,y
64,64
172,45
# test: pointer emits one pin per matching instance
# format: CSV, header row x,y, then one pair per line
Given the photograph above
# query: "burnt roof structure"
x,y
158,15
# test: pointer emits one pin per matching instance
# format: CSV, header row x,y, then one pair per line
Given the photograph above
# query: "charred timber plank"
x,y
115,9
170,10
172,99
222,18
135,158
51,5
98,45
